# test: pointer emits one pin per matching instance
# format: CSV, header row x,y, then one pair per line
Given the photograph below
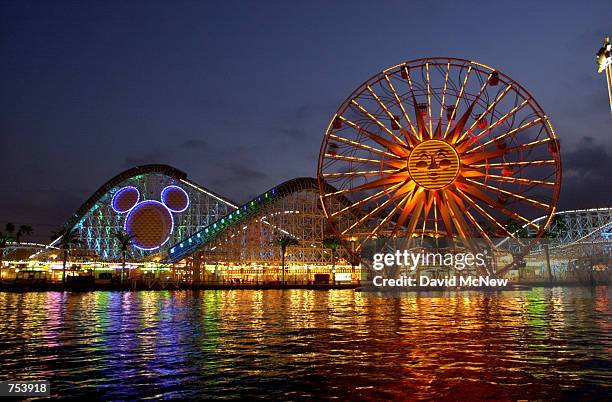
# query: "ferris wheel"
x,y
439,147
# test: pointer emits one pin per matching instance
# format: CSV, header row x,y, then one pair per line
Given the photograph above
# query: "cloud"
x,y
591,160
586,181
194,144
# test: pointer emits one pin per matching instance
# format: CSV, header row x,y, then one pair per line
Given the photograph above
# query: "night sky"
x,y
239,94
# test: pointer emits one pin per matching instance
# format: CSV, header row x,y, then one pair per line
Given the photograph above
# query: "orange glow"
x,y
433,164
472,154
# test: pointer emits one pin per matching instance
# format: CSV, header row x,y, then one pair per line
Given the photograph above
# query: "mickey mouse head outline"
x,y
150,221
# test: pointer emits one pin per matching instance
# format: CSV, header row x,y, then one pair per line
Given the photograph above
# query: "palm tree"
x,y
332,243
125,241
283,242
9,236
23,230
516,229
67,239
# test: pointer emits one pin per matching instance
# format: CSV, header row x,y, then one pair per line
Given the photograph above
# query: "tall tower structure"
x,y
604,63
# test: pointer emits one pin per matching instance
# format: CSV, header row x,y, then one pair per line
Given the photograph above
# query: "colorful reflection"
x,y
539,344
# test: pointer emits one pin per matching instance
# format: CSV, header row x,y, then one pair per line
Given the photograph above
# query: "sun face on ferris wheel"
x,y
433,164
439,147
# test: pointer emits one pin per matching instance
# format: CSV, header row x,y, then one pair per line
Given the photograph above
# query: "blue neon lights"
x,y
150,218
174,191
123,196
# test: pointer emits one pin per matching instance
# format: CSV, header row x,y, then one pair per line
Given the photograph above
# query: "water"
x,y
303,344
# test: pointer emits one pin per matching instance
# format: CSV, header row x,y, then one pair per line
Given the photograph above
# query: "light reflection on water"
x,y
537,344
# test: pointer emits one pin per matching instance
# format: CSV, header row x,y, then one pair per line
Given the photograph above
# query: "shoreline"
x,y
57,287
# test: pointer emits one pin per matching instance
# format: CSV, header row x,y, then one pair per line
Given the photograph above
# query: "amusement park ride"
x,y
439,147
449,151
604,63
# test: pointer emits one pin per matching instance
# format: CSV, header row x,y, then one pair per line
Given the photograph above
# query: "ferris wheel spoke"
x,y
338,192
496,123
486,112
459,97
382,182
478,194
470,217
365,200
467,171
459,125
435,210
515,164
416,212
528,145
519,180
375,231
444,215
444,90
476,157
438,131
361,173
484,213
403,193
378,122
361,146
428,99
471,159
386,219
412,139
428,205
457,130
391,116
477,225
506,134
371,213
511,194
401,105
456,216
390,180
421,127
393,147
396,162
410,202
507,115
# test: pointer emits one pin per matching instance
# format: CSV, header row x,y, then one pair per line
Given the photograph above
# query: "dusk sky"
x,y
239,94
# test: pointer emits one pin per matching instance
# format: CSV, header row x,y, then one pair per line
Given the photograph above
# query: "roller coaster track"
x,y
238,217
